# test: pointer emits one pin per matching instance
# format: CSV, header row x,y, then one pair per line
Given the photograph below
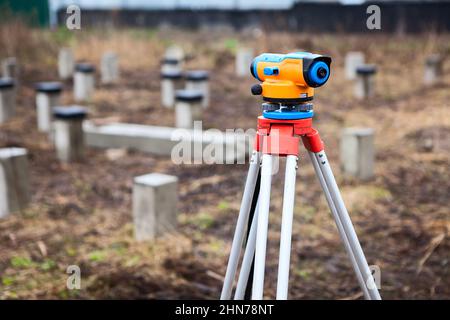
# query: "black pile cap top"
x,y
171,74
49,87
433,59
7,83
197,75
70,112
171,61
366,69
188,95
84,67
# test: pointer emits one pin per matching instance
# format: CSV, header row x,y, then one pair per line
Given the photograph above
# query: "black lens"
x,y
322,73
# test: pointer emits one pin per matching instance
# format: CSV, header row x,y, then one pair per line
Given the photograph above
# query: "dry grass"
x,y
32,47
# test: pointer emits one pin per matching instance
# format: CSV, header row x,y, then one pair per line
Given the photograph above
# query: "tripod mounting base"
x,y
282,137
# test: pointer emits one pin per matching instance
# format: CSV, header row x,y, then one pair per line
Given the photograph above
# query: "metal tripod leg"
x,y
347,225
241,225
286,227
251,219
339,225
247,261
262,227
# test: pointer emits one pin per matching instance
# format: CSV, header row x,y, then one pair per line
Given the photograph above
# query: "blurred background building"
x,y
298,15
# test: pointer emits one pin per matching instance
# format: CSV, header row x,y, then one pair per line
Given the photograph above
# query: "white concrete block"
x,y
84,82
150,139
353,60
244,58
171,81
188,108
364,86
198,80
10,68
68,133
162,140
171,65
109,68
7,99
48,95
357,152
66,63
154,205
433,69
14,180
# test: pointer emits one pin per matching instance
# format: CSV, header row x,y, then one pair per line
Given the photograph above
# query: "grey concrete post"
x,y
154,205
244,58
357,152
66,63
199,80
170,82
7,99
69,136
10,68
48,95
109,68
433,69
14,180
84,82
365,81
353,60
188,108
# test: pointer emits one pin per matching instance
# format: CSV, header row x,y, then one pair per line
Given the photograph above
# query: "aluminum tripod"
x,y
281,138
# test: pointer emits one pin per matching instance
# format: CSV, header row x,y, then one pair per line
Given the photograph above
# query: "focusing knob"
x,y
257,89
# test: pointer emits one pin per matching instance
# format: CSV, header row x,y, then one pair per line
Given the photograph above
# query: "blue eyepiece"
x,y
318,73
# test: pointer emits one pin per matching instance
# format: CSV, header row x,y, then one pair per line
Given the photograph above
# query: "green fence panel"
x,y
36,10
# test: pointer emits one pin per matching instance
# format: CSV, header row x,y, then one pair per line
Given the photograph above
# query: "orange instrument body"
x,y
290,77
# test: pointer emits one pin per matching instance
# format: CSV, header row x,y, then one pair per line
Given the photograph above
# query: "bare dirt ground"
x,y
81,213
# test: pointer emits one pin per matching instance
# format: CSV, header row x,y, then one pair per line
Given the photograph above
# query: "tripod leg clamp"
x,y
312,141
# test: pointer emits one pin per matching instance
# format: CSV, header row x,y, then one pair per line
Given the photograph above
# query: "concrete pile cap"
x,y
84,67
70,112
7,153
188,95
6,83
433,59
49,87
155,179
197,75
171,75
366,69
171,61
